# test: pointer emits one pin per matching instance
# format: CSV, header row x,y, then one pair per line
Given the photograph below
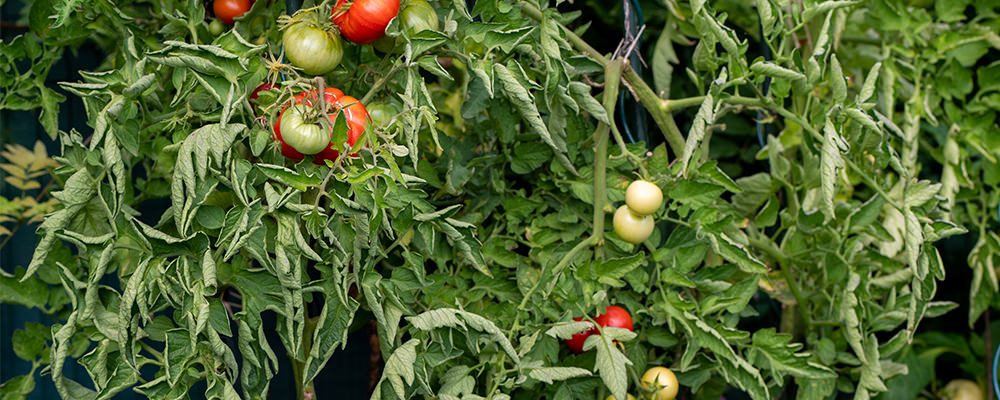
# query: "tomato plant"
x,y
364,21
312,49
802,172
228,10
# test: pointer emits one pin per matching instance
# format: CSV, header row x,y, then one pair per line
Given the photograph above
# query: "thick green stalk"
x,y
612,71
653,103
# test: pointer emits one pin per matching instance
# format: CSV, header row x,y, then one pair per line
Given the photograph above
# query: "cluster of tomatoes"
x,y
633,221
659,381
308,45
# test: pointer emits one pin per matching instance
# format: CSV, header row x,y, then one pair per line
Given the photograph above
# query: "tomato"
x,y
418,16
364,21
643,197
415,16
261,88
575,343
227,10
962,389
216,27
615,317
297,134
612,397
313,50
662,382
381,113
631,227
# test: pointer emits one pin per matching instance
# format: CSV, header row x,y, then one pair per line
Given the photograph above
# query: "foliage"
x,y
473,225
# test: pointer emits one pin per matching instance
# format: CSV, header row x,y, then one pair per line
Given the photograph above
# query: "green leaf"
x,y
552,374
399,367
782,356
612,271
522,101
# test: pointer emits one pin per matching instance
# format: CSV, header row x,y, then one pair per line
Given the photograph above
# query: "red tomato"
x,y
615,317
364,21
262,87
354,113
575,343
227,10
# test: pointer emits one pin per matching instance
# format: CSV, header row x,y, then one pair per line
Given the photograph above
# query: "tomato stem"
x,y
654,104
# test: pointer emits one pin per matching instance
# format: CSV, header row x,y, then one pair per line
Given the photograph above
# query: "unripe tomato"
x,y
381,113
365,20
615,317
414,17
575,343
216,27
312,49
962,389
417,16
631,227
354,113
643,197
612,397
228,10
305,136
662,381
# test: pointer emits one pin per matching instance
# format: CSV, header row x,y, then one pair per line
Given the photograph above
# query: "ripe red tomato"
x,y
364,21
227,10
575,343
260,88
312,49
300,138
615,317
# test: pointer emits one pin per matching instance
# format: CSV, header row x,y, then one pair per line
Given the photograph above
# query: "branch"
x,y
653,103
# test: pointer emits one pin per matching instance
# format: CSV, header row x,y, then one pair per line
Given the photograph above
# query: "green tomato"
x,y
414,17
632,227
304,136
962,389
418,16
216,27
643,197
381,113
312,49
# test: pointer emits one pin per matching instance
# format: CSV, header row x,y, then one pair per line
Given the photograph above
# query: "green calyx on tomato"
x,y
364,21
632,227
312,49
414,17
229,10
299,136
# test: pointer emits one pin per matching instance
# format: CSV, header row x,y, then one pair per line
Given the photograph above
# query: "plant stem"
x,y
304,391
653,103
